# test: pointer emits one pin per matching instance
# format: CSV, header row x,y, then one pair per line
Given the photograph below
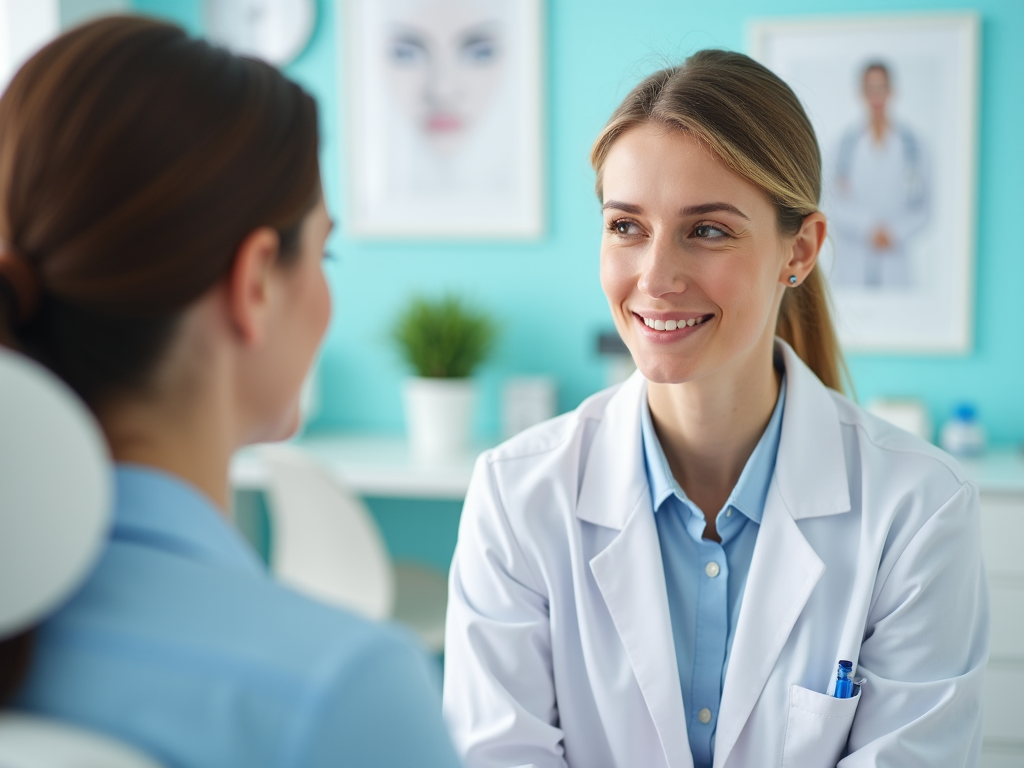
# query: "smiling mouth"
x,y
673,325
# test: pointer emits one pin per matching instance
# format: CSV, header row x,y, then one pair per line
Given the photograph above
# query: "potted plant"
x,y
443,340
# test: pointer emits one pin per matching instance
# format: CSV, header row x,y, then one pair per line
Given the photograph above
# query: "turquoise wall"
x,y
546,294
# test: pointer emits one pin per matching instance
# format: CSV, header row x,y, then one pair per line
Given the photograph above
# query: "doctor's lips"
x,y
444,123
672,322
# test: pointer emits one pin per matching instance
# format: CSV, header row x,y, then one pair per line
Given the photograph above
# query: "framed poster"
x,y
893,100
444,117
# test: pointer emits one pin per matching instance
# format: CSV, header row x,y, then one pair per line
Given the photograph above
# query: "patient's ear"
x,y
249,284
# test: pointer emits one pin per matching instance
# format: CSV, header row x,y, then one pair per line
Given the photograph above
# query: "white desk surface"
x,y
371,465
381,465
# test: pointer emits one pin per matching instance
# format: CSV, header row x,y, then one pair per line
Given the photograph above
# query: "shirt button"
x,y
712,570
704,715
728,512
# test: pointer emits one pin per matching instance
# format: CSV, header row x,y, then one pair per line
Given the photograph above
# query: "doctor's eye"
x,y
709,232
624,228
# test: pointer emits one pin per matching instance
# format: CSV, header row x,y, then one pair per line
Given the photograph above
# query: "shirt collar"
x,y
160,510
751,490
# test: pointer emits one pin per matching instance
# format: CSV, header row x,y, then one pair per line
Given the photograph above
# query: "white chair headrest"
x,y
55,492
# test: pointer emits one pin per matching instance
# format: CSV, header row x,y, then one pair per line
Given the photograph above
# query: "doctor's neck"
x,y
709,427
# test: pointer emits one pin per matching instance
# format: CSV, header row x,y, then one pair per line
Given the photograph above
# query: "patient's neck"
x,y
185,421
193,443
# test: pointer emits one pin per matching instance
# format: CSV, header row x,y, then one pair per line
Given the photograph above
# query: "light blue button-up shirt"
x,y
705,579
182,645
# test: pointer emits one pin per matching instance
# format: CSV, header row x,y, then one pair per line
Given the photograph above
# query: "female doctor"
x,y
669,575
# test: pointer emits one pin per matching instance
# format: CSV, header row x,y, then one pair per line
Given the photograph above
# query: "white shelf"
x,y
371,465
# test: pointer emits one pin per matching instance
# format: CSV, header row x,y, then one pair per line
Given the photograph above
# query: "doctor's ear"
x,y
802,251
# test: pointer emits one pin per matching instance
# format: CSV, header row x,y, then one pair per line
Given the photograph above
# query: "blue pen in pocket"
x,y
844,685
847,688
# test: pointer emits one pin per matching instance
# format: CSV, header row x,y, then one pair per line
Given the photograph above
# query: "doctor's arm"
x,y
925,649
499,694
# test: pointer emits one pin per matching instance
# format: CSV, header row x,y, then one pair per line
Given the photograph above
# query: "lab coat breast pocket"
x,y
817,728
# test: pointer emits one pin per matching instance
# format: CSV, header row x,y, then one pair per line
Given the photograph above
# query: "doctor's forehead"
x,y
651,166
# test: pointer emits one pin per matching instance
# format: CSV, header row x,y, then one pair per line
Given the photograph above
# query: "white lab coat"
x,y
559,645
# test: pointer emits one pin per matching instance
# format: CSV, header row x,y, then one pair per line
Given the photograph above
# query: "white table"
x,y
372,465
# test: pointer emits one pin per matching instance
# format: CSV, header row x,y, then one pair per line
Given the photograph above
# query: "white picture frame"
x,y
893,101
444,117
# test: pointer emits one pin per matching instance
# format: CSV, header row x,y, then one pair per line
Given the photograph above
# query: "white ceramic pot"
x,y
439,416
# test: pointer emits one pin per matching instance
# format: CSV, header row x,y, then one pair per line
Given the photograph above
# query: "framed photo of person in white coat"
x,y
893,103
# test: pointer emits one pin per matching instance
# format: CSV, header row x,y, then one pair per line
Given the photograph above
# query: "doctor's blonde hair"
x,y
754,123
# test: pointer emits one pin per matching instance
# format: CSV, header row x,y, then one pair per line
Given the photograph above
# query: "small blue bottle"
x,y
844,685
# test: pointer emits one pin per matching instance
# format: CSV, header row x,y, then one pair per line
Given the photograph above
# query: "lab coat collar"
x,y
156,509
811,465
615,478
810,468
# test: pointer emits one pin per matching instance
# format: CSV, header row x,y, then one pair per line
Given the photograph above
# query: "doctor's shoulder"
x,y
532,479
900,479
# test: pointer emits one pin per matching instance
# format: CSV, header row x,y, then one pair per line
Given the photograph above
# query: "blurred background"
x,y
534,282
538,287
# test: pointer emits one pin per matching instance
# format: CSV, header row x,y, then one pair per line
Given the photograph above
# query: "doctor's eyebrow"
x,y
699,210
690,210
624,207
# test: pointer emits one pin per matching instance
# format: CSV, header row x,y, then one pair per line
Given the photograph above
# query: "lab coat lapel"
x,y
614,493
783,572
810,480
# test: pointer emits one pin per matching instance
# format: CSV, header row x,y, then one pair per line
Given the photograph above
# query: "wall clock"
x,y
276,31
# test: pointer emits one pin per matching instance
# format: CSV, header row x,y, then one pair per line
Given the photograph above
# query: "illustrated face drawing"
x,y
444,61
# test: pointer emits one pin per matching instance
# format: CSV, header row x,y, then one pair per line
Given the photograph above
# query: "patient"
x,y
162,228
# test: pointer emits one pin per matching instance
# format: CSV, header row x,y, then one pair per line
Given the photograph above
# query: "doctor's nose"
x,y
661,270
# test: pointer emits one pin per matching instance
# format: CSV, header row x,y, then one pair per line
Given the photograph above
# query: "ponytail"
x,y
805,323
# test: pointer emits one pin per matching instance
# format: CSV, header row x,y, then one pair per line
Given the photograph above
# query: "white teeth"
x,y
671,325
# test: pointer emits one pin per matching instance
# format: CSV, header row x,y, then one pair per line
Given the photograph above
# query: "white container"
x,y
439,417
525,401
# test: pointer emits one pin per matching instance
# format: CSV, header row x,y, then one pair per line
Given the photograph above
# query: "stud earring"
x,y
792,279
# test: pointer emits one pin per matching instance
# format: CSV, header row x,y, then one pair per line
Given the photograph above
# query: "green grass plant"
x,y
443,338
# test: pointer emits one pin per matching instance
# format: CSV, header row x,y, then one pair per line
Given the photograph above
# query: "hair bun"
x,y
17,273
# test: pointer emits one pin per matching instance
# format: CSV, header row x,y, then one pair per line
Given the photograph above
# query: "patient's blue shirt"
x,y
705,580
181,644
